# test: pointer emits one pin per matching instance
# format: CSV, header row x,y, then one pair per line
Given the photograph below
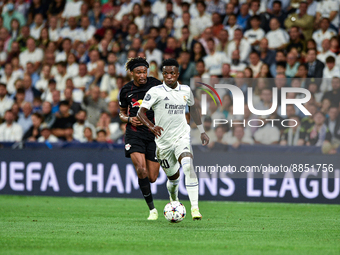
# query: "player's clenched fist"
x,y
204,139
156,130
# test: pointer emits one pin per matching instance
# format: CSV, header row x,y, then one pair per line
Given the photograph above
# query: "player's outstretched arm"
x,y
196,116
141,115
124,117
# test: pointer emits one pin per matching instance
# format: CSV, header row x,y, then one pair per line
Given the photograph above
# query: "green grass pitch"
x,y
53,225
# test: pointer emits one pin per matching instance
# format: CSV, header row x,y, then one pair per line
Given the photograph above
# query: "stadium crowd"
x,y
63,64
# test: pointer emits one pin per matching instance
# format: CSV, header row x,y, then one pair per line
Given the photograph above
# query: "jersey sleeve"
x,y
123,103
191,99
150,99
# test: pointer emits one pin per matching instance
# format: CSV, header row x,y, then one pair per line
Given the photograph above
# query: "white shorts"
x,y
168,158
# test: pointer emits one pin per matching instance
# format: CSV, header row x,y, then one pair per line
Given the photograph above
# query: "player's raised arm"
x,y
141,115
196,116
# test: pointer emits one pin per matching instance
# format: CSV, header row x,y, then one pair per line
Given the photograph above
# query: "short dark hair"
x,y
3,84
277,2
202,3
134,62
170,62
147,4
64,102
330,59
20,91
256,17
282,64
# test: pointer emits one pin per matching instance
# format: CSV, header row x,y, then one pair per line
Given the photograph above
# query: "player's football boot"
x,y
153,214
195,213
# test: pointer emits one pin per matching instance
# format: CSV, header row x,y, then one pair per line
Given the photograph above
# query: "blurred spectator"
x,y
239,43
232,26
237,136
333,124
45,76
61,76
218,144
94,105
198,52
315,67
25,120
244,16
203,20
152,53
268,133
31,54
186,68
49,117
46,134
5,101
10,131
277,37
101,136
266,55
255,34
330,10
325,32
296,41
301,20
292,65
72,9
88,135
11,14
214,60
80,125
318,134
64,120
33,133
255,63
83,80
291,134
334,94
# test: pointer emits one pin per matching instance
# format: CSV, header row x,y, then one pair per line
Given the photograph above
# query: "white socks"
x,y
172,186
191,182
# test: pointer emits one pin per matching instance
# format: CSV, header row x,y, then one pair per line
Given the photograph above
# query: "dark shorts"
x,y
135,144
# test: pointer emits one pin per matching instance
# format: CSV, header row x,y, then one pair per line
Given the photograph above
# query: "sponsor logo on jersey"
x,y
137,103
175,106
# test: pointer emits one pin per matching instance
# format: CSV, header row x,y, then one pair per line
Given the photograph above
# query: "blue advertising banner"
x,y
107,173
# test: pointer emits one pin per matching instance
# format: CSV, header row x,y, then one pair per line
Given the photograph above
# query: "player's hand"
x,y
156,130
135,122
204,139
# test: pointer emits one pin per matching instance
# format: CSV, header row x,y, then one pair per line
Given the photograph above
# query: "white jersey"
x,y
169,108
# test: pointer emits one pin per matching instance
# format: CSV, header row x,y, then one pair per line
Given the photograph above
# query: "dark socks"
x,y
144,186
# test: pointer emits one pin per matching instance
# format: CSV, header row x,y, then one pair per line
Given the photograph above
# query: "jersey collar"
x,y
168,89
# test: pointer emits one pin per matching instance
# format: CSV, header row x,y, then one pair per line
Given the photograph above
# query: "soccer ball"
x,y
174,211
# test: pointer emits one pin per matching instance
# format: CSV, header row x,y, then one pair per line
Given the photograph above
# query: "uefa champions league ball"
x,y
174,212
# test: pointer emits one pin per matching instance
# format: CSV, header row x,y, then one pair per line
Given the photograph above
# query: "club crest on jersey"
x,y
137,103
127,146
185,98
147,97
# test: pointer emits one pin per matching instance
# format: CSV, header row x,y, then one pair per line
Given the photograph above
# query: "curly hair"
x,y
135,62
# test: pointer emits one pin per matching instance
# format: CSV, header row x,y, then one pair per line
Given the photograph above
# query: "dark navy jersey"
x,y
131,97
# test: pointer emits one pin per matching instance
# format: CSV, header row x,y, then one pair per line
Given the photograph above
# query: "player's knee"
x,y
141,172
152,179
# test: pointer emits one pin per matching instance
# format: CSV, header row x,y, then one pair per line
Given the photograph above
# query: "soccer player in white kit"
x,y
172,131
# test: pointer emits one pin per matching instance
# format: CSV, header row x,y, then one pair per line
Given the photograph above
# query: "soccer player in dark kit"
x,y
139,140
